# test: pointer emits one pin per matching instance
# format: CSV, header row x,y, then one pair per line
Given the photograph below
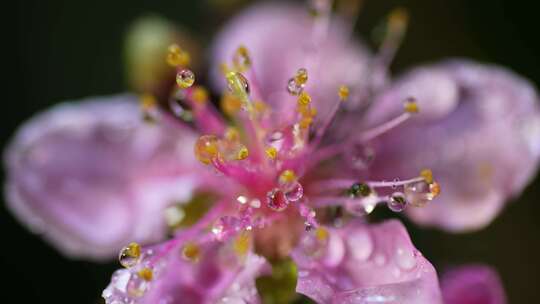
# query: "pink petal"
x,y
472,284
478,130
91,176
366,264
218,276
279,39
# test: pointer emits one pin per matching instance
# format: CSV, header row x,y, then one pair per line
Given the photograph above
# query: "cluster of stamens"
x,y
266,162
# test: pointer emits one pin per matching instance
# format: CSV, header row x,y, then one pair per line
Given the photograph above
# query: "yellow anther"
x,y
146,274
147,102
241,59
343,93
322,234
232,134
243,153
191,252
304,99
230,104
200,95
411,106
260,106
224,68
206,148
287,176
271,152
313,112
241,244
427,175
434,189
398,20
177,57
305,122
301,76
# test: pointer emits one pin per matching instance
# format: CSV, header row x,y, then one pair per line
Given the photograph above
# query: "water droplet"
x,y
360,245
130,255
294,192
397,202
237,81
137,286
418,193
335,251
226,226
206,148
405,259
276,200
185,78
294,88
255,203
179,107
359,189
380,259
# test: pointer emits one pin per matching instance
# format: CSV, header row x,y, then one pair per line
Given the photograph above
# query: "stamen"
x,y
304,99
383,128
177,57
411,106
230,104
343,93
241,59
271,152
243,153
296,84
287,176
199,95
242,243
191,252
146,274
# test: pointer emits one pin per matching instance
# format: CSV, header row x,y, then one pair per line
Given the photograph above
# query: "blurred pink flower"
x,y
92,175
478,130
472,284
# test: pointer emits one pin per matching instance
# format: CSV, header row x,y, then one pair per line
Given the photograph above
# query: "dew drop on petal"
x,y
206,148
294,88
185,78
295,191
397,202
130,255
360,245
276,200
137,286
418,194
405,259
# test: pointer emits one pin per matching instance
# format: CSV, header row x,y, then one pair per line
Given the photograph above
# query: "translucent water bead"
x,y
185,78
397,202
276,200
420,193
130,255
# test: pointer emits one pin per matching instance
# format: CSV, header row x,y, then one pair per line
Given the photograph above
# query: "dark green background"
x,y
71,49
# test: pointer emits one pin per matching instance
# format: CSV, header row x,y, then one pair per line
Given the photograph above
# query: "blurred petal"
x,y
335,61
92,176
472,284
478,130
215,275
366,264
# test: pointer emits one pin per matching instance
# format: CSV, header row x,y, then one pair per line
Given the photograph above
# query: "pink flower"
x,y
478,130
472,284
92,175
315,137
